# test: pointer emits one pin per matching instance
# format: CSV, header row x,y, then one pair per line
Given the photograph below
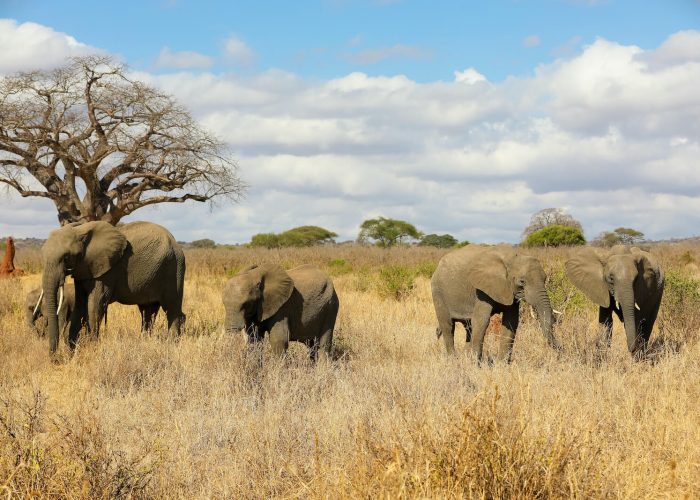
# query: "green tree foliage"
x,y
620,236
556,235
438,240
306,236
266,240
387,232
303,236
204,243
550,217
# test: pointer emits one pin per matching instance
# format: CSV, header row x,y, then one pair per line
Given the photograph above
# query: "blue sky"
x,y
460,117
318,38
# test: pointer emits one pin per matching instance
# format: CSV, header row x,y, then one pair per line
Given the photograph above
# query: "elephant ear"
x,y
277,288
104,246
585,270
651,269
488,273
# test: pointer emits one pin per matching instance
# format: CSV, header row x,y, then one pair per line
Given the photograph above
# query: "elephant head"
x,y
627,276
32,312
84,251
253,296
506,276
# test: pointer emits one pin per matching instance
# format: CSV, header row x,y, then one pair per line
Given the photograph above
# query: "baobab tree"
x,y
101,145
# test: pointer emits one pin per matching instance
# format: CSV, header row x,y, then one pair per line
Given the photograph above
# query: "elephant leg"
x,y
148,316
509,324
480,322
77,319
279,338
605,321
325,344
447,329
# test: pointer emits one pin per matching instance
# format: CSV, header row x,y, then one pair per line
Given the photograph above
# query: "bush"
x,y
337,267
387,232
554,236
395,282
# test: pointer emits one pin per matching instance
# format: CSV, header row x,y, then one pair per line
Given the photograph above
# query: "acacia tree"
x,y
550,217
387,232
100,145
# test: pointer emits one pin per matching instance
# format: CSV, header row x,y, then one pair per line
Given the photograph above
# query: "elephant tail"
x,y
438,332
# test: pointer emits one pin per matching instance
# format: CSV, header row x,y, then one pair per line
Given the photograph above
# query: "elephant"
x,y
473,283
626,281
138,263
299,305
35,311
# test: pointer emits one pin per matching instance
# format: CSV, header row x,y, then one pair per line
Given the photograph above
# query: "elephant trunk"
x,y
51,282
624,294
540,300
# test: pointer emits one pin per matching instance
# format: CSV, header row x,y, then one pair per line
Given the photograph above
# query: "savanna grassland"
x,y
391,416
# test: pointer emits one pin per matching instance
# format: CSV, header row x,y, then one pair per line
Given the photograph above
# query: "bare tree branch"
x,y
127,143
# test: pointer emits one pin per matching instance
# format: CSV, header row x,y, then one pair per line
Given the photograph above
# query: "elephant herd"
x,y
141,264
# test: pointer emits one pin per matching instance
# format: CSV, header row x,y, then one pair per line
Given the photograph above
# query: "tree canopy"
x,y
550,217
554,236
619,236
100,145
387,232
438,240
303,236
204,243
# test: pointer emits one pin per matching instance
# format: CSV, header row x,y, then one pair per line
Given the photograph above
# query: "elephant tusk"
x,y
617,304
532,312
60,300
557,312
38,303
636,306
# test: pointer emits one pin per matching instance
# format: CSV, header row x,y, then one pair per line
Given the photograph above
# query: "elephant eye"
x,y
609,278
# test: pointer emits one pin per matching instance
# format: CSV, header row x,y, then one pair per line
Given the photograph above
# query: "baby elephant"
x,y
35,314
299,304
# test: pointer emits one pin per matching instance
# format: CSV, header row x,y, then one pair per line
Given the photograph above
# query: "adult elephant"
x,y
626,281
138,263
299,304
473,283
35,310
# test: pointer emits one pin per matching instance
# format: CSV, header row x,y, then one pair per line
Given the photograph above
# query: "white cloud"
x,y
469,75
237,51
531,41
611,134
29,46
183,60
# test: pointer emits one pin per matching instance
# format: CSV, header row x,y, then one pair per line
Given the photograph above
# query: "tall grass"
x,y
391,416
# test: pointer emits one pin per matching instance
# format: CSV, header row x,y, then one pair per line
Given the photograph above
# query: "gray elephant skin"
x,y
473,283
139,263
35,311
626,281
295,305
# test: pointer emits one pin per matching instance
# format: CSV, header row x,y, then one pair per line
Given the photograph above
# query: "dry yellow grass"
x,y
393,416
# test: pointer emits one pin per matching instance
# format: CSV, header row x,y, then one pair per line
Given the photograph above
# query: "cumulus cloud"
x,y
237,51
29,46
183,60
610,134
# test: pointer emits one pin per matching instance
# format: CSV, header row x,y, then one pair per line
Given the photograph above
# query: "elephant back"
x,y
313,284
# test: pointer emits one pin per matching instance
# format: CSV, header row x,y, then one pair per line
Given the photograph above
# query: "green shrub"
x,y
681,290
554,236
426,269
564,296
204,243
395,282
338,267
